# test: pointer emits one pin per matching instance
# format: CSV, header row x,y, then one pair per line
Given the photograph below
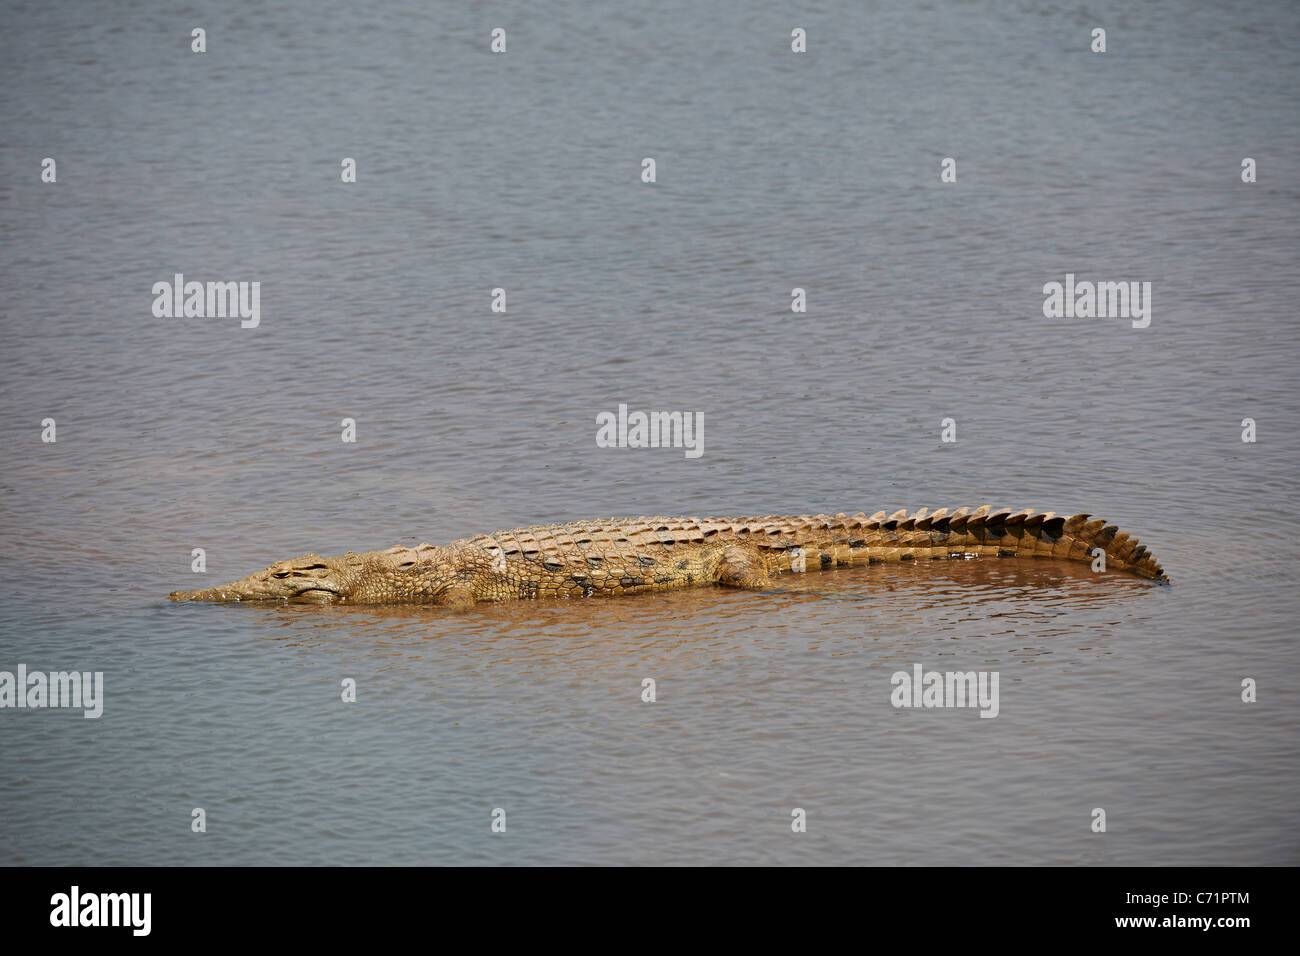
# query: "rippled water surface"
x,y
522,171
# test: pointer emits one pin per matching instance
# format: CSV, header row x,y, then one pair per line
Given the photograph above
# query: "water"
x,y
521,171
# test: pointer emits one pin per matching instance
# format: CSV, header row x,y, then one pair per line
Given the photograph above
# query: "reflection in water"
x,y
940,598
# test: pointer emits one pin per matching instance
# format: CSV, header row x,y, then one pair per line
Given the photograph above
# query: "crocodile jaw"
x,y
309,579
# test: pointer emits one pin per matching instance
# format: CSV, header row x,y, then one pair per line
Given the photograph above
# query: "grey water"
x,y
775,170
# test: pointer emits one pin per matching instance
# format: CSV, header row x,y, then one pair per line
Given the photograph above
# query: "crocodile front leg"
x,y
742,567
729,565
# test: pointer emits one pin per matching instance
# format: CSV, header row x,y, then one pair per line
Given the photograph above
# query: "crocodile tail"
x,y
984,532
1030,533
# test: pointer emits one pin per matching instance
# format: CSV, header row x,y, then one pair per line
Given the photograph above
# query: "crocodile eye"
x,y
280,574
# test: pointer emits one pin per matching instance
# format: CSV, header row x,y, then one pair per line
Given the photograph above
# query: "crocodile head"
x,y
310,578
451,577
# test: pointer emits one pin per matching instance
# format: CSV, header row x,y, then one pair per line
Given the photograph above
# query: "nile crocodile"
x,y
628,556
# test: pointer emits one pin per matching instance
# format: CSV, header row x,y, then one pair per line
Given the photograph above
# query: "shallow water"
x,y
774,171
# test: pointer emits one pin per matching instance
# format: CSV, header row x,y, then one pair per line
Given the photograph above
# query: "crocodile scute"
x,y
633,555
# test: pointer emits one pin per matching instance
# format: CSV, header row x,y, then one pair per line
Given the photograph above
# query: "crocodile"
x,y
633,555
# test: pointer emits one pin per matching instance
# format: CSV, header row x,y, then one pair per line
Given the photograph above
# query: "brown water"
x,y
774,171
